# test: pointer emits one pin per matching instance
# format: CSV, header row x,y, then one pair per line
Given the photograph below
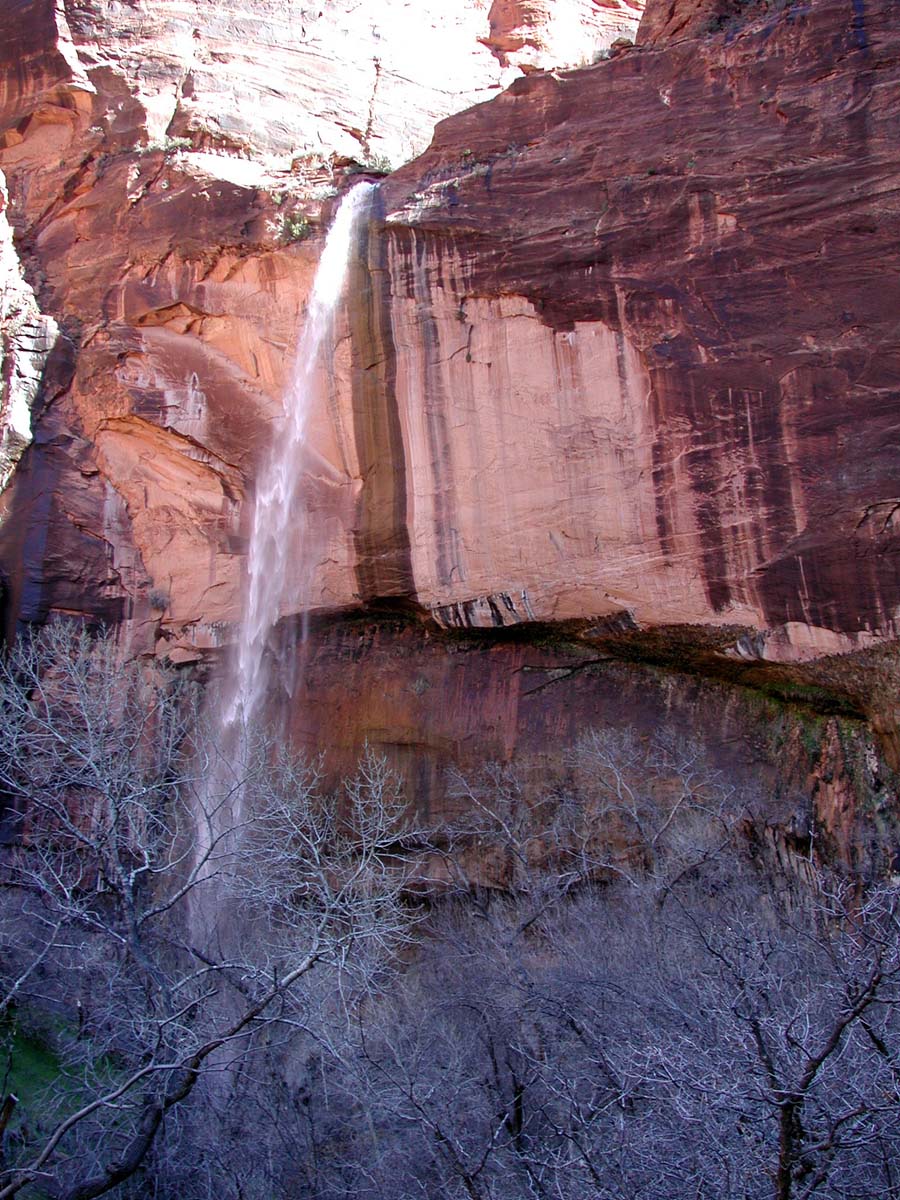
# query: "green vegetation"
x,y
325,191
378,164
295,227
30,1064
166,145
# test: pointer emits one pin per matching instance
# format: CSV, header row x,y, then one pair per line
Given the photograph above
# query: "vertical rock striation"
x,y
652,302
622,350
166,164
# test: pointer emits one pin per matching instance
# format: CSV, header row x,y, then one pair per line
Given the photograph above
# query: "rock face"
x,y
165,162
434,700
29,345
632,310
27,338
533,34
620,349
683,19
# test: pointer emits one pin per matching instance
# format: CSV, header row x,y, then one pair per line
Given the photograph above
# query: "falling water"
x,y
274,541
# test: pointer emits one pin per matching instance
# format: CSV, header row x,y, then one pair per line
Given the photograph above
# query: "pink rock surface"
x,y
684,402
535,34
607,355
160,156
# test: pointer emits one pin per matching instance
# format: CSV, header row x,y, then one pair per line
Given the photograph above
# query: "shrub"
x,y
378,164
165,145
295,228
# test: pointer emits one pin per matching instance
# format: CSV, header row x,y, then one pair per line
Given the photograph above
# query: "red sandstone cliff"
x,y
161,158
623,357
623,349
654,294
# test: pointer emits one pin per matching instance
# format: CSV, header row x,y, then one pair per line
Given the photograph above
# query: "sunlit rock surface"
x,y
645,339
167,164
27,338
621,344
535,34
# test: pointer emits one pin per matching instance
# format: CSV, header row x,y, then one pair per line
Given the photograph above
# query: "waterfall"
x,y
279,531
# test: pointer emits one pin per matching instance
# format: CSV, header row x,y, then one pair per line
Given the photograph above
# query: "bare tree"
x,y
645,813
121,837
613,998
677,1024
657,811
627,1065
793,1031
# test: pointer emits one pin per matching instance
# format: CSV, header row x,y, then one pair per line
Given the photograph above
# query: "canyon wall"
x,y
619,357
165,164
653,298
26,339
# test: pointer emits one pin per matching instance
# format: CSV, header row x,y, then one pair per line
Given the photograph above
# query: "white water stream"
x,y
276,582
279,530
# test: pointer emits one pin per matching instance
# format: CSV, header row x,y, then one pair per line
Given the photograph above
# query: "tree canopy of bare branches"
x,y
135,840
609,997
646,1014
